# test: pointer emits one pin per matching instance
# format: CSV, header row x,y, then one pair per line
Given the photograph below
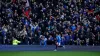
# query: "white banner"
x,y
27,3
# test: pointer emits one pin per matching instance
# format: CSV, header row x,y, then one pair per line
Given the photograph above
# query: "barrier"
x,y
47,48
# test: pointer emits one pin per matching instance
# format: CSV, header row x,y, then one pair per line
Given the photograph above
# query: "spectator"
x,y
87,41
73,27
67,37
50,40
43,40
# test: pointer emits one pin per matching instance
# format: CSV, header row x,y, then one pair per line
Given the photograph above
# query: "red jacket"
x,y
26,13
98,17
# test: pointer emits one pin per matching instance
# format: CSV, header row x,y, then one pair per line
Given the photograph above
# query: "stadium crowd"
x,y
33,21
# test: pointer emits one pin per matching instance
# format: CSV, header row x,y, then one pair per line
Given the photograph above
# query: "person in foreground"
x,y
58,42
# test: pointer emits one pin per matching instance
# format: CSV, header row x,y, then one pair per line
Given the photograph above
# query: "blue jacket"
x,y
67,37
58,38
73,28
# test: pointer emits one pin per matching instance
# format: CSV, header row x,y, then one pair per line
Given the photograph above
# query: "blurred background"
x,y
37,22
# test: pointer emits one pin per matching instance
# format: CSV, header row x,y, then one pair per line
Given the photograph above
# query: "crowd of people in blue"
x,y
72,22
